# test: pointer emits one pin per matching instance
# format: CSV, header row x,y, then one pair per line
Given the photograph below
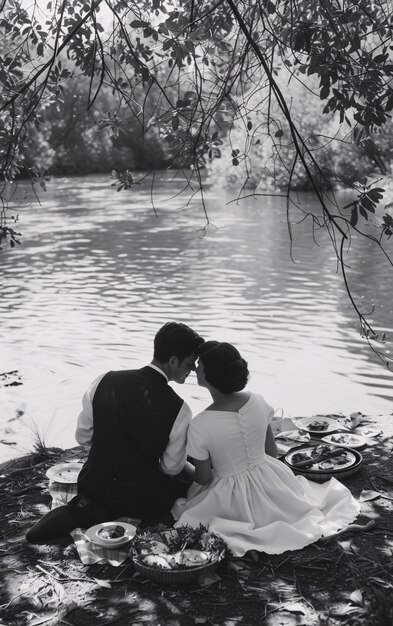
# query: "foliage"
x,y
265,161
68,139
192,72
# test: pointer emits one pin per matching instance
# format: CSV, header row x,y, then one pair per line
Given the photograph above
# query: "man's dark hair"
x,y
176,339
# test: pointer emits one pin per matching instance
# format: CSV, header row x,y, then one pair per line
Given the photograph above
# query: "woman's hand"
x,y
270,443
203,471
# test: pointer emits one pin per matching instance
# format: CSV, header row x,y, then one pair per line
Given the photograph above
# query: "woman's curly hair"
x,y
223,366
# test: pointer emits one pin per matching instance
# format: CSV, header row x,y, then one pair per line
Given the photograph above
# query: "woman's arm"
x,y
270,443
203,471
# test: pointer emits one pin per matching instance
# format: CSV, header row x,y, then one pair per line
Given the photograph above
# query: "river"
x,y
100,271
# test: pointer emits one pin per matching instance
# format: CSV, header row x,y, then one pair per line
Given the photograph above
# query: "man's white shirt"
x,y
174,455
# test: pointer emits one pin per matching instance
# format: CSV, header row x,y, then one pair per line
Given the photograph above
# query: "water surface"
x,y
99,272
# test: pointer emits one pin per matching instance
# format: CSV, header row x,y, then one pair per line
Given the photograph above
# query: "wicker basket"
x,y
321,476
185,576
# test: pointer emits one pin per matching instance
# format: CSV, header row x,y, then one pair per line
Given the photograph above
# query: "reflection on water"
x,y
100,271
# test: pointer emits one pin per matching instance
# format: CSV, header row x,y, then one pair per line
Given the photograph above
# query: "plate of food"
x,y
346,440
110,534
64,472
317,425
323,461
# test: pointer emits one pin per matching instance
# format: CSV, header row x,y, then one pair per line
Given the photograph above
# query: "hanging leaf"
x,y
139,24
376,194
367,204
363,212
354,216
324,92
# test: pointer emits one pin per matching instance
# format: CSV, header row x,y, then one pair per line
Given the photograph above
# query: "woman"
x,y
240,490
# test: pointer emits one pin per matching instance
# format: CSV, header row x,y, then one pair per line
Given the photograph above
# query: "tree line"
x,y
70,140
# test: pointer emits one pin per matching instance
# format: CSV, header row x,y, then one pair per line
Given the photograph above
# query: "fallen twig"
x,y
65,579
297,584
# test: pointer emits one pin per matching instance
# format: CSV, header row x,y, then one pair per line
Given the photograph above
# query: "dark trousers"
x,y
82,512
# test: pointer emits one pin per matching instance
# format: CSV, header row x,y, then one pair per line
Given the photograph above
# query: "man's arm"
x,y
174,456
203,471
84,428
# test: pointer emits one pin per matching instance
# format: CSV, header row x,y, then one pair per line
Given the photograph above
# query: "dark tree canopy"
x,y
199,75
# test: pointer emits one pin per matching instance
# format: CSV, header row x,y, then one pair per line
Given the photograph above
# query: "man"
x,y
137,426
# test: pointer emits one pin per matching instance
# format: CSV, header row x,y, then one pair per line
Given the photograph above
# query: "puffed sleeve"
x,y
197,445
269,413
266,410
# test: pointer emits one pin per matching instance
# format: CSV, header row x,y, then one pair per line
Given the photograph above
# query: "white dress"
x,y
254,501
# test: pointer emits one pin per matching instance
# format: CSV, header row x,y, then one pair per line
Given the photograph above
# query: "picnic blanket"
x,y
90,553
61,493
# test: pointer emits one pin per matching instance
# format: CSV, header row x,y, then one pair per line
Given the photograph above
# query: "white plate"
x,y
330,424
64,472
129,532
346,440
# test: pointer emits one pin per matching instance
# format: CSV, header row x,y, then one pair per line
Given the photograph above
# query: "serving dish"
x,y
177,556
64,472
344,463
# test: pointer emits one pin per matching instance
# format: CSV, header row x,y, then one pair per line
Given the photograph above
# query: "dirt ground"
x,y
346,581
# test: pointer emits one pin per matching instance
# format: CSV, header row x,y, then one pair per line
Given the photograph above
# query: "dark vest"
x,y
133,414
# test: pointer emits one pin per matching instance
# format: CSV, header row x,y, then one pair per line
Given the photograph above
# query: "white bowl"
x,y
111,540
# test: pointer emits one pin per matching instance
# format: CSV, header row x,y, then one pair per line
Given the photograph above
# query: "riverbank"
x,y
346,581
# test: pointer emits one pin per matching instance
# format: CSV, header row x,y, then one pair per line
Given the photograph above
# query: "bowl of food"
x,y
317,425
110,534
177,556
